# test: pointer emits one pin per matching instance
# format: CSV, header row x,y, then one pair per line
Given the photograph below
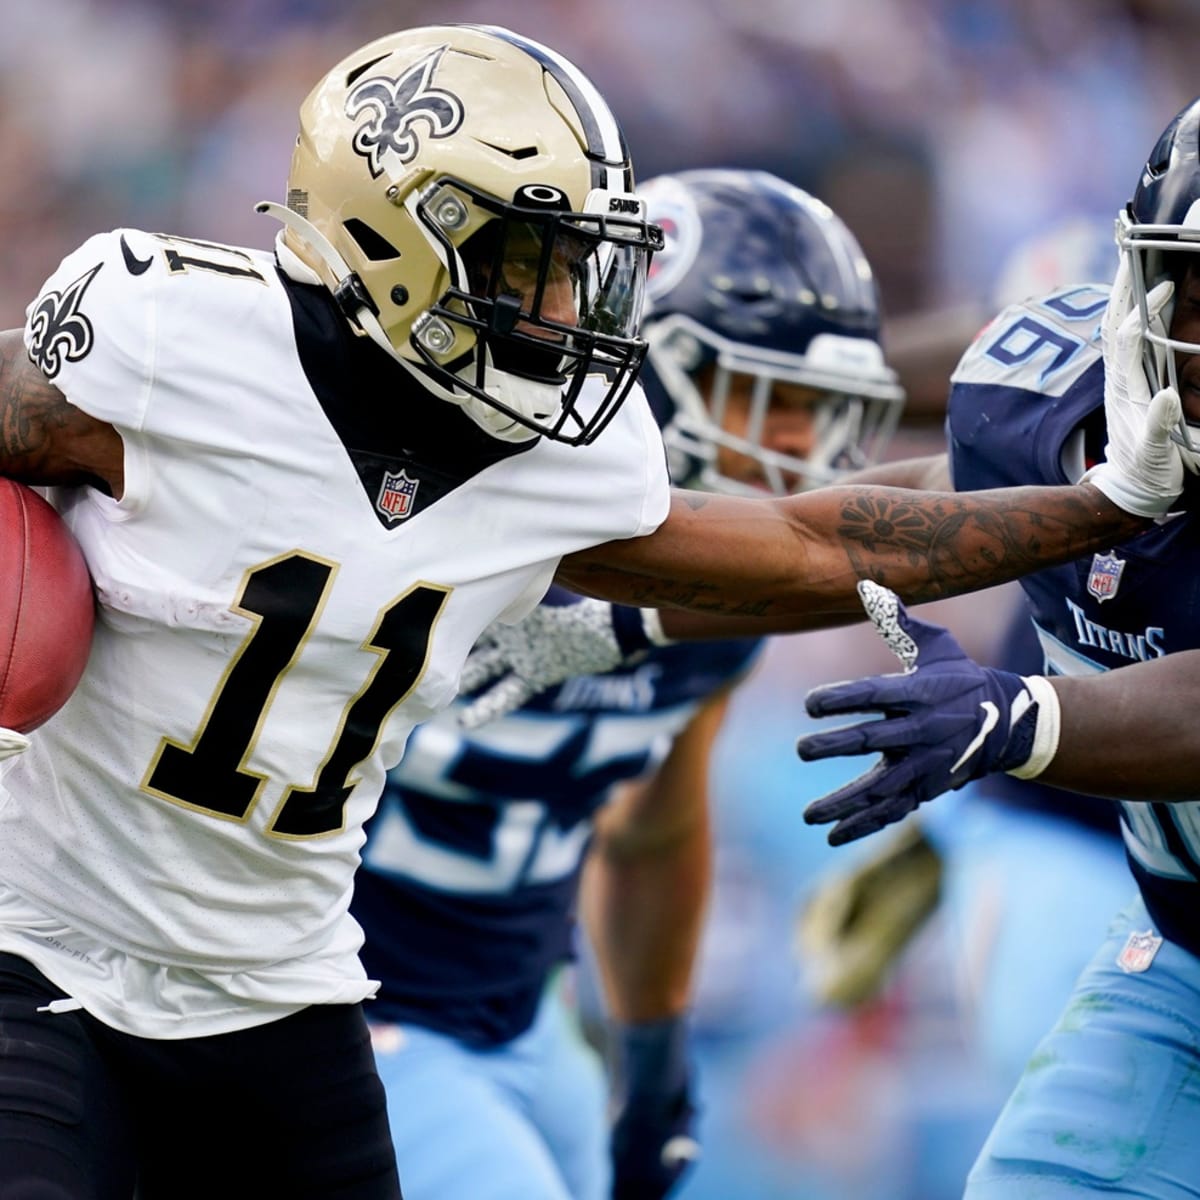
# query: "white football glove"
x,y
1143,470
12,743
554,643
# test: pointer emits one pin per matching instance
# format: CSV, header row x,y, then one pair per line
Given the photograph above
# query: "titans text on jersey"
x,y
1027,407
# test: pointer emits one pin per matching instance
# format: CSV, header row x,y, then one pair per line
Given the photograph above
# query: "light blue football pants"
x,y
1026,899
524,1121
1109,1105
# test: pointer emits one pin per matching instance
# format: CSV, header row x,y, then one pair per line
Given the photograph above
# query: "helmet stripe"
x,y
605,143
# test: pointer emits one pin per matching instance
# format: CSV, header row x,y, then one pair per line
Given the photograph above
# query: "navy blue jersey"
x,y
1027,407
469,875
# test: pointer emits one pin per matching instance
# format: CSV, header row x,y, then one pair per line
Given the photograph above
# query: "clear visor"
x,y
559,275
561,270
539,297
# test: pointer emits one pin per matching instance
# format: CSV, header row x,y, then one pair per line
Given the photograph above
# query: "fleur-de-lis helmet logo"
x,y
394,108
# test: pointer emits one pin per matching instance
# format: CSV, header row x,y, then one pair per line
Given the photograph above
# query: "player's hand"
x,y
856,924
653,1130
1143,469
565,636
944,720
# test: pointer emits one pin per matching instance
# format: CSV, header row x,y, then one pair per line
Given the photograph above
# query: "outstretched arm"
x,y
780,561
723,567
726,567
792,563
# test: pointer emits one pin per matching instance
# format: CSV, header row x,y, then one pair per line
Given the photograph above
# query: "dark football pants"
x,y
293,1108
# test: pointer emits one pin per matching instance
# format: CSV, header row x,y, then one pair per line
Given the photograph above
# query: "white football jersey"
x,y
284,592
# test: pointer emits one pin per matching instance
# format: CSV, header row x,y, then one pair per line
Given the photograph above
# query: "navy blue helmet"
x,y
1156,229
1170,182
760,280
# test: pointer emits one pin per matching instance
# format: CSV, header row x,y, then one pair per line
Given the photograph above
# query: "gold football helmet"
x,y
467,197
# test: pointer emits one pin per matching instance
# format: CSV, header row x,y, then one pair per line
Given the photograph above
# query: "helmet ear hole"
x,y
370,241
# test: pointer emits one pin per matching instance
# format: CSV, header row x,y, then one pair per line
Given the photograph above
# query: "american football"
x,y
47,609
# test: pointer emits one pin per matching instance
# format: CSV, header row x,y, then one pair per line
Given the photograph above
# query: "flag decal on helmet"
x,y
397,494
394,108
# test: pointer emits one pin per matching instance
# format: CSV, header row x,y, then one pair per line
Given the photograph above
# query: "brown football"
x,y
47,609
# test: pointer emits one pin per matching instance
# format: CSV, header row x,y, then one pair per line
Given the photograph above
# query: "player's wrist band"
x,y
637,629
652,624
649,1055
1046,732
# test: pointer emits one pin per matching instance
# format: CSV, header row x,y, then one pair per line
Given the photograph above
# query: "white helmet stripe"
x,y
606,144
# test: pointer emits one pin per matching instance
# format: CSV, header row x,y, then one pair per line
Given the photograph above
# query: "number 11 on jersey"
x,y
284,599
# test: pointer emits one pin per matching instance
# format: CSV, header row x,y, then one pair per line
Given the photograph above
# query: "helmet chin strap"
x,y
487,416
538,401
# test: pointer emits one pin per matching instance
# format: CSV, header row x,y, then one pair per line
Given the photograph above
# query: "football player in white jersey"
x,y
304,483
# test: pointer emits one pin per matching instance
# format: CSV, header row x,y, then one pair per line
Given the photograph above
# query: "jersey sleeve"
x,y
90,329
615,488
656,497
1022,386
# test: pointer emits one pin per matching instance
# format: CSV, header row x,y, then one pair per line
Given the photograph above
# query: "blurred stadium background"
x,y
947,133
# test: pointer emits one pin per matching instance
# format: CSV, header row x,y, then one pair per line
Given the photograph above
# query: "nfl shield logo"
x,y
1138,952
1105,576
396,495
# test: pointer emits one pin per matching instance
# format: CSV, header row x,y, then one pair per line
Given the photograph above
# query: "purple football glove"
x,y
943,721
653,1131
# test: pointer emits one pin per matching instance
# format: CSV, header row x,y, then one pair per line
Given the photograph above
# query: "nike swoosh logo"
x,y
133,264
991,714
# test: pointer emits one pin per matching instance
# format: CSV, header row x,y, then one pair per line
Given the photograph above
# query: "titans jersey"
x,y
1023,399
471,866
307,547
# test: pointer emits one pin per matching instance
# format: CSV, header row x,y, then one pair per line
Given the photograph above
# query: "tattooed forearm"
x,y
43,438
928,545
770,566
633,587
32,412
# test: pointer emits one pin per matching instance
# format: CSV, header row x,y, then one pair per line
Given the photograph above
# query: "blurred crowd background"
x,y
951,135
945,132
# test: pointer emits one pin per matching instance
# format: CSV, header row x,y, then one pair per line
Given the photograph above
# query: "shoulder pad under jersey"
x,y
90,328
1042,345
1025,384
102,331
